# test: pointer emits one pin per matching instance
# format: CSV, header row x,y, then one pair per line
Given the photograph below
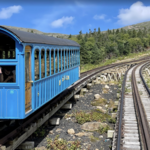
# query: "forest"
x,y
97,46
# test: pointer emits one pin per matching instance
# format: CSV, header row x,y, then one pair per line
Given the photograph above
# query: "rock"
x,y
80,134
101,109
58,130
89,86
106,87
106,106
113,115
76,96
116,103
97,96
51,132
92,126
71,131
70,142
60,139
68,118
118,95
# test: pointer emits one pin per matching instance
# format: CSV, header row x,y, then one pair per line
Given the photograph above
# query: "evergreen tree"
x,y
70,36
95,58
117,31
134,34
99,31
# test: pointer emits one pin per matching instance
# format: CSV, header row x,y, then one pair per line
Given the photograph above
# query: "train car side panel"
x,y
53,86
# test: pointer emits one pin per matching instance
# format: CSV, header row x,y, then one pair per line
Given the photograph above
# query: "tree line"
x,y
97,46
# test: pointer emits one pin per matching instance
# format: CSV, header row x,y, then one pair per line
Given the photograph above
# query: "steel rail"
x,y
143,124
121,111
143,80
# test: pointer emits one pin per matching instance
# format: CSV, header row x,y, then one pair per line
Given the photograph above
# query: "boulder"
x,y
58,130
71,131
106,105
92,126
106,87
101,109
80,134
97,96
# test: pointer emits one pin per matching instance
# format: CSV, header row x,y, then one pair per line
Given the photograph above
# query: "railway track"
x,y
83,74
134,115
16,134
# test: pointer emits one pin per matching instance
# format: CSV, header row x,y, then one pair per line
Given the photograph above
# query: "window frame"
x,y
37,49
42,50
47,50
16,44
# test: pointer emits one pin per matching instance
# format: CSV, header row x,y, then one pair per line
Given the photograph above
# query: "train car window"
x,y
76,57
73,58
62,59
68,58
7,74
52,62
65,59
36,64
59,60
47,62
56,61
42,63
7,47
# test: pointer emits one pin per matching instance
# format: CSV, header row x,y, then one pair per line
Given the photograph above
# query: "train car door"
x,y
28,82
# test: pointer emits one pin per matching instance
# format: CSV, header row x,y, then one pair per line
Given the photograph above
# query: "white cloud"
x,y
62,21
135,14
97,17
108,20
6,13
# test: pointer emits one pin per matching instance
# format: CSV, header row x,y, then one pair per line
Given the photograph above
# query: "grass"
x,y
127,90
113,82
99,102
111,104
148,81
86,67
95,115
105,91
103,129
112,120
93,138
61,144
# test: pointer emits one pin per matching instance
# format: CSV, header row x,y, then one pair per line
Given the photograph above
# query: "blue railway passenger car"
x,y
33,70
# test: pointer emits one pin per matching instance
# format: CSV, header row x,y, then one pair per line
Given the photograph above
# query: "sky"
x,y
72,16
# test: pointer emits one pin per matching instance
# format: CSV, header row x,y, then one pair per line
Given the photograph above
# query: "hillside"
x,y
40,32
138,26
134,26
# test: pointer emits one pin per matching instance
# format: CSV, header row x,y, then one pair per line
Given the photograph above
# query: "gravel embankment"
x,y
89,140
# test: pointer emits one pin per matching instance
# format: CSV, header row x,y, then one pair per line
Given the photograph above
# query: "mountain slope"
x,y
39,32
